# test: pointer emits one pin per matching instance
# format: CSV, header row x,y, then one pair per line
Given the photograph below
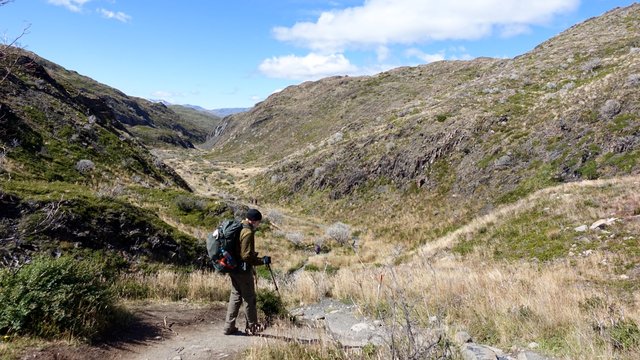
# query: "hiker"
x,y
242,280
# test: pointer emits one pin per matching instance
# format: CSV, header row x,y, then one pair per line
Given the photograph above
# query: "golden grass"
x,y
571,307
501,304
296,351
169,285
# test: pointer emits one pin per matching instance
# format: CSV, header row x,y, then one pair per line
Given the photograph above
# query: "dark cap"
x,y
254,215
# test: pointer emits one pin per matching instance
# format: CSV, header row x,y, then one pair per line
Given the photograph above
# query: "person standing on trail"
x,y
242,280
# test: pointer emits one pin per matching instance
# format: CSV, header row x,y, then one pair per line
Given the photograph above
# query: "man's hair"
x,y
254,215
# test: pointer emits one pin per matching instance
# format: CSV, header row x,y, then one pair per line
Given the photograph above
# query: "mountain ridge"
x,y
486,130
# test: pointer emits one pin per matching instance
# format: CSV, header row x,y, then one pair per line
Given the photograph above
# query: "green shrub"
x,y
442,117
270,303
589,170
51,298
188,204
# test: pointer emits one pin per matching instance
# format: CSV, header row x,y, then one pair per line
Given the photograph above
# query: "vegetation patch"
x,y
624,162
184,207
270,303
442,117
530,235
544,176
62,218
625,335
589,170
52,298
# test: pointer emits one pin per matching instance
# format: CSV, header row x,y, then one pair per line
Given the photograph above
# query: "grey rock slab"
x,y
473,351
602,223
351,330
342,322
581,228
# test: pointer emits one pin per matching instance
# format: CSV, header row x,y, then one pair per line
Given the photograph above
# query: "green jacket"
x,y
248,252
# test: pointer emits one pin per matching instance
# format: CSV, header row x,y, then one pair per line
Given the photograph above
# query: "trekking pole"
x,y
274,280
291,317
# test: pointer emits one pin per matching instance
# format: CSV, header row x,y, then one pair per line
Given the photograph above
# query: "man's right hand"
x,y
266,260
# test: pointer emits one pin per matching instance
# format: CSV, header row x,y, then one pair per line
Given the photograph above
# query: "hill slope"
x,y
468,134
76,178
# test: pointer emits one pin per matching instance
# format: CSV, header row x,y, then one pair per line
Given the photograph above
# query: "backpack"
x,y
221,246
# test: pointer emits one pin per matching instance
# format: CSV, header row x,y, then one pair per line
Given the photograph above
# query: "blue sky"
x,y
234,53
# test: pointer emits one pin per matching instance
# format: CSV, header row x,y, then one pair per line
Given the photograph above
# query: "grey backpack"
x,y
221,246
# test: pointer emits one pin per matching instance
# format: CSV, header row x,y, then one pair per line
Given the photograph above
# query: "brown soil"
x,y
160,331
177,331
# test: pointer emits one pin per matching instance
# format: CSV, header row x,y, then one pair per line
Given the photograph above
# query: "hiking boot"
x,y
231,331
254,329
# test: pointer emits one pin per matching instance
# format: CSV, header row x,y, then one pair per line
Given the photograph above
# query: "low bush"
x,y
270,303
52,298
339,232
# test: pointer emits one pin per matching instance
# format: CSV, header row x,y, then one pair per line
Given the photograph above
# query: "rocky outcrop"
x,y
349,329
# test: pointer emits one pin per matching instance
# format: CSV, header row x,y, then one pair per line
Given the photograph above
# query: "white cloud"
x,y
120,16
511,30
385,22
427,58
73,5
382,53
167,96
312,66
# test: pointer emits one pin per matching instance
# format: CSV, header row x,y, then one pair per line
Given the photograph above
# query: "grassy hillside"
x,y
203,120
524,274
154,123
438,144
75,178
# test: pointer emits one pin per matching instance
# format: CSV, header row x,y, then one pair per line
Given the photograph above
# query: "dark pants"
x,y
242,288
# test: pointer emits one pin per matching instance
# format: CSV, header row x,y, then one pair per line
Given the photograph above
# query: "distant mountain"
x,y
228,111
202,119
152,122
218,112
53,118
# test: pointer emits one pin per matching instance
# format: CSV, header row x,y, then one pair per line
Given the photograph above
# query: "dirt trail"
x,y
175,331
182,331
